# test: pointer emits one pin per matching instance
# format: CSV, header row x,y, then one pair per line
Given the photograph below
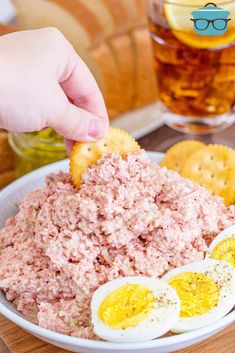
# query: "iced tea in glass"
x,y
195,69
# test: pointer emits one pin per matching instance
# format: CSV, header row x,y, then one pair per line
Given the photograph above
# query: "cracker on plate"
x,y
177,154
85,154
214,168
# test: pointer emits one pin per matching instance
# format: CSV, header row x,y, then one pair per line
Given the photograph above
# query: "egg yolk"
x,y
127,306
225,250
198,293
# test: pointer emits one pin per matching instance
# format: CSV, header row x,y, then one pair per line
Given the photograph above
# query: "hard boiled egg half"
x,y
134,309
206,290
223,246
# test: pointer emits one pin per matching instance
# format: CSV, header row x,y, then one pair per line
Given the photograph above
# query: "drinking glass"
x,y
194,56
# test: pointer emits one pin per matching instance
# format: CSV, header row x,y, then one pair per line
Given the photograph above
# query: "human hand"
x,y
40,75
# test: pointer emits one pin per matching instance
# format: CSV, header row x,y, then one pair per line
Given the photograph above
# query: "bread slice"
x,y
122,49
123,19
86,18
44,13
109,78
7,177
145,83
104,16
141,12
137,12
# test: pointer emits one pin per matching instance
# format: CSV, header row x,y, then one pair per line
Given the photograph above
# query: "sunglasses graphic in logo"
x,y
211,20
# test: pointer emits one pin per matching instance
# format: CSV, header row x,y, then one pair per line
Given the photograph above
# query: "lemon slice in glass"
x,y
179,13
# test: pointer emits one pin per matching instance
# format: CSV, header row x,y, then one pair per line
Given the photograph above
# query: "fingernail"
x,y
97,128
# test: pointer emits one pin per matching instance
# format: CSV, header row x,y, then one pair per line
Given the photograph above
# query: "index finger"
x,y
81,87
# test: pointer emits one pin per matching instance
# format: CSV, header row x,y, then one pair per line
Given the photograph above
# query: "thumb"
x,y
80,125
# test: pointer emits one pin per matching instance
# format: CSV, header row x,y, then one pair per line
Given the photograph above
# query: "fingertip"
x,y
98,128
69,145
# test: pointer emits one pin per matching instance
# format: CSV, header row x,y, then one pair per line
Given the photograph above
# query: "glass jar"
x,y
34,150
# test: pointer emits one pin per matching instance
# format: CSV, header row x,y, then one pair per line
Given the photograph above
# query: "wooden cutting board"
x,y
16,340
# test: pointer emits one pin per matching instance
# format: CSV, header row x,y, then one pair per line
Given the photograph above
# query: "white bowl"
x,y
12,195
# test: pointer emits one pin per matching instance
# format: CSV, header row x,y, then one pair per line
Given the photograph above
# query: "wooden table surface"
x,y
15,340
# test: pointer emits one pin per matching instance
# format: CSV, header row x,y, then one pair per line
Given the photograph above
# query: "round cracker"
x,y
85,154
213,167
177,154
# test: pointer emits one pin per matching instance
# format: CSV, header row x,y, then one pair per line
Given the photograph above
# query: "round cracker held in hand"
x,y
177,154
213,167
85,154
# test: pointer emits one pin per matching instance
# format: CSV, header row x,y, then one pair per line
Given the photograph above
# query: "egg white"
x,y
159,322
226,233
220,272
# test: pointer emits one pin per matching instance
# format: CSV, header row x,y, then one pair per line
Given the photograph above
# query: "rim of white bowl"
x,y
87,343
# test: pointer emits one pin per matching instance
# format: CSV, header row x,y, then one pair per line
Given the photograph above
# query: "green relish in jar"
x,y
36,149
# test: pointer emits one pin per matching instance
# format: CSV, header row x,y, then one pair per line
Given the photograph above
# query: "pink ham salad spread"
x,y
128,218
